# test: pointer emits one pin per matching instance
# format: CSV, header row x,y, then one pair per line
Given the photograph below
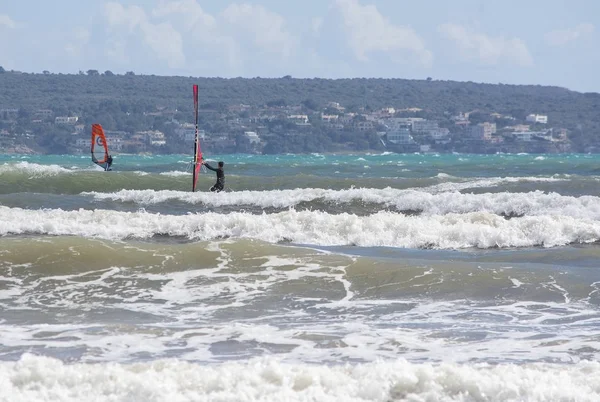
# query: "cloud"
x,y
164,40
561,37
7,22
117,50
317,24
194,17
203,34
266,28
182,33
486,49
117,15
369,31
79,39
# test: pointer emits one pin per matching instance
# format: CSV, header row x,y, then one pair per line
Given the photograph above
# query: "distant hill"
x,y
78,93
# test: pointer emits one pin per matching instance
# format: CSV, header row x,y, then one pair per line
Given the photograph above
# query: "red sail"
x,y
197,149
99,145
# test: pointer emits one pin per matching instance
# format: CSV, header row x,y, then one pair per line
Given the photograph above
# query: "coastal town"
x,y
267,128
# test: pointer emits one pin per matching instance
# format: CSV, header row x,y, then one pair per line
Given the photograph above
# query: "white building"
x,y
299,118
43,113
483,131
424,126
347,118
365,125
157,138
152,137
396,122
400,135
336,106
561,134
66,120
187,132
517,127
441,135
114,143
522,135
329,118
386,112
9,114
542,135
537,118
252,137
461,117
83,143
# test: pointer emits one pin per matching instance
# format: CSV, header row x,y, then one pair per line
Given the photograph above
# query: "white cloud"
x,y
164,40
486,49
317,24
116,49
266,28
204,33
79,40
194,16
369,31
117,15
561,37
7,22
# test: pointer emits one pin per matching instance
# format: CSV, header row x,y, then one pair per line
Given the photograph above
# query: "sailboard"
x,y
197,164
99,146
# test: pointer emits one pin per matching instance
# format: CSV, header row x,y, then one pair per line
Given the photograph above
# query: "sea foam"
x,y
450,231
34,378
534,203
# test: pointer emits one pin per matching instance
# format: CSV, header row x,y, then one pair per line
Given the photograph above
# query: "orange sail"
x,y
99,145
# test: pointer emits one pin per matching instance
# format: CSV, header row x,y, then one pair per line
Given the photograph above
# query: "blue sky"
x,y
546,42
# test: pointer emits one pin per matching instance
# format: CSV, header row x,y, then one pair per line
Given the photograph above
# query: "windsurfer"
x,y
109,162
220,184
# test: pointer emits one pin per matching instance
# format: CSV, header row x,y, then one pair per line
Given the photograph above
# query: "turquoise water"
x,y
388,165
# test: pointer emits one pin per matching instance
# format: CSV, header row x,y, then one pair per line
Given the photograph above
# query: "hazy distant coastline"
x,y
52,113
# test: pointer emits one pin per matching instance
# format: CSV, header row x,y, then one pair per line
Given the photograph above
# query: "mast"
x,y
195,167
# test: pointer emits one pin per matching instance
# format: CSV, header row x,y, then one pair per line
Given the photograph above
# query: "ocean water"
x,y
379,277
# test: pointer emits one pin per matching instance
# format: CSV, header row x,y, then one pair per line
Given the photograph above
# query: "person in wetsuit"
x,y
220,184
106,165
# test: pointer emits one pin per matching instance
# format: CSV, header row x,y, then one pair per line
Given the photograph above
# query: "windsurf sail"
x,y
99,146
197,150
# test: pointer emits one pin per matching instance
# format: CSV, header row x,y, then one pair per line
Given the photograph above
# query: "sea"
x,y
355,277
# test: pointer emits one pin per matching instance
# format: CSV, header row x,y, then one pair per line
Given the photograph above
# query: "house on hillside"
x,y
66,120
537,118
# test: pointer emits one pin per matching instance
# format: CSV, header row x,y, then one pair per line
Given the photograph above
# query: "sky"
x,y
545,42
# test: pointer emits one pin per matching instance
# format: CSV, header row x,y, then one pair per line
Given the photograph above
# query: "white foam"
x,y
535,203
34,378
175,173
477,229
516,283
489,182
33,169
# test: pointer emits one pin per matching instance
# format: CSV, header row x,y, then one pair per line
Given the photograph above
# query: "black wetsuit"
x,y
106,165
220,184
